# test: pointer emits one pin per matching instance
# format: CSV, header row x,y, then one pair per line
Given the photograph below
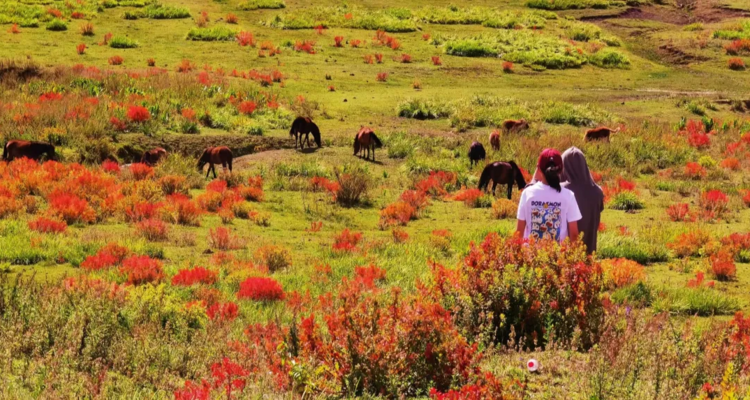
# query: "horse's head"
x,y
524,124
203,160
520,181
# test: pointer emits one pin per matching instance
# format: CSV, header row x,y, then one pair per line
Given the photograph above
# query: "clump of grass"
x,y
627,201
217,33
693,27
632,248
639,295
388,20
695,301
489,17
121,42
567,4
159,11
57,25
261,5
609,58
399,145
740,31
422,109
582,31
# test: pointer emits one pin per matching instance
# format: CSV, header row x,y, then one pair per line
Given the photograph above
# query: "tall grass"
x,y
702,302
217,33
121,42
261,4
389,20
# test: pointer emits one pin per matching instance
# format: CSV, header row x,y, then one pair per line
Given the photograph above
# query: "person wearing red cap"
x,y
547,210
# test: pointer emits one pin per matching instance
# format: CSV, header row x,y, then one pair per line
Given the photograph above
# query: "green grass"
x,y
261,4
120,42
217,33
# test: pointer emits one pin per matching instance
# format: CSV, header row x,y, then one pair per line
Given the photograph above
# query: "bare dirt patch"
x,y
674,55
684,12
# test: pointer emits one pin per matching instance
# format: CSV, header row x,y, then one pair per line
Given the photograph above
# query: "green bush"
x,y
399,145
609,58
158,11
217,33
638,295
627,201
421,109
57,25
121,42
695,301
388,20
632,248
567,4
261,4
582,32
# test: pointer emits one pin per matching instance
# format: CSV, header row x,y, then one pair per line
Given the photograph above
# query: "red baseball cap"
x,y
550,157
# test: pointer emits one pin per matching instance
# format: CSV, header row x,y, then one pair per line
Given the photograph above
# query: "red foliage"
x,y
319,183
722,264
247,107
46,225
320,29
70,208
189,114
138,114
152,229
141,171
14,29
197,275
693,170
117,124
738,46
435,184
436,60
398,213
228,376
346,241
307,46
260,289
151,62
111,167
714,204
699,140
507,66
355,43
369,275
81,48
382,77
405,58
115,60
192,391
54,12
746,197
223,311
689,243
730,163
417,199
222,238
378,58
108,256
399,235
186,212
470,197
426,36
185,66
217,185
679,212
141,269
231,18
369,59
246,39
736,64
338,41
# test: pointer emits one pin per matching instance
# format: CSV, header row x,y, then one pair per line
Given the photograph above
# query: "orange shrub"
x,y
436,61
369,59
736,64
689,243
115,60
338,41
507,67
416,199
152,229
46,225
405,58
398,213
355,43
87,29
679,212
730,163
504,208
246,39
222,238
151,62
14,29
70,208
399,235
425,36
231,18
470,197
693,170
346,241
141,269
306,46
382,77
141,171
722,264
182,210
378,58
622,272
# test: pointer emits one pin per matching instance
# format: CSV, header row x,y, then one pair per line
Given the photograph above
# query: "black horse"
x,y
476,153
502,173
304,126
23,148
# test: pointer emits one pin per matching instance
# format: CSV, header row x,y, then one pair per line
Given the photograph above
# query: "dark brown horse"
x,y
24,148
600,133
495,140
476,153
366,140
304,126
153,156
215,155
502,173
515,126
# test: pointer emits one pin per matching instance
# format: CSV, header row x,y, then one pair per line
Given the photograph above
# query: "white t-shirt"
x,y
547,212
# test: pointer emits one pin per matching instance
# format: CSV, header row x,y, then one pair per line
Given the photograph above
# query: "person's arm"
x,y
572,230
521,227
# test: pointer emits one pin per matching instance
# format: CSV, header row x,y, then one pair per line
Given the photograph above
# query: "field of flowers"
x,y
316,274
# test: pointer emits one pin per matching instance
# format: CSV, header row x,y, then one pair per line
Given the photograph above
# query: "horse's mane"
x,y
520,181
484,179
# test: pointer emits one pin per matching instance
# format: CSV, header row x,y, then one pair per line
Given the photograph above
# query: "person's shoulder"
x,y
567,193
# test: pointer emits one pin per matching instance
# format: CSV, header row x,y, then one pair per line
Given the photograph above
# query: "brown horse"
x,y
501,173
600,133
495,140
304,126
366,140
24,148
153,156
476,153
515,126
215,155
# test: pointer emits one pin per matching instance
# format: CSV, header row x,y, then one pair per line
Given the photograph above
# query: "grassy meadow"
x,y
317,274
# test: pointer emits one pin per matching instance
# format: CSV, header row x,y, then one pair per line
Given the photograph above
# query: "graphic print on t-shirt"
x,y
545,220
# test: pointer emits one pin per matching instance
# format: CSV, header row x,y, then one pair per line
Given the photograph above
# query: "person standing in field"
x,y
589,195
547,210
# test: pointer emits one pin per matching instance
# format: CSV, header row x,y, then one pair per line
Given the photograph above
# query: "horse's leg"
x,y
213,168
208,171
510,190
224,167
494,185
373,153
230,165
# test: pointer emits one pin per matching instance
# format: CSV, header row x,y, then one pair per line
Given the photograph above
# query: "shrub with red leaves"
x,y
369,59
736,64
621,272
738,46
722,264
507,67
346,241
398,213
679,212
138,114
193,391
689,243
470,197
108,256
246,39
46,225
730,163
714,204
152,229
435,184
319,183
247,107
415,198
71,208
306,46
355,43
260,289
369,275
139,270
699,140
222,238
197,275
111,167
693,170
231,18
14,29
141,171
436,61
81,48
382,77
115,60
183,210
378,58
228,376
399,235
223,311
405,58
338,41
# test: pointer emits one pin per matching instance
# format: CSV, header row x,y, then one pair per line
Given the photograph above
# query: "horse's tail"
x,y
484,179
375,139
5,150
520,181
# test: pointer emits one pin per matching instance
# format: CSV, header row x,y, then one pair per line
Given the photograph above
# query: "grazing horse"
x,y
24,148
502,173
600,133
153,156
476,153
304,126
515,126
366,140
495,140
215,155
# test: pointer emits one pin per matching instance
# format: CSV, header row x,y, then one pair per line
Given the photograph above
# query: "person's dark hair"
x,y
552,175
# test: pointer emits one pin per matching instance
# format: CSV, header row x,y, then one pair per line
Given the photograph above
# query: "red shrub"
x,y
71,208
189,114
231,18
246,39
185,211
405,58
185,66
425,36
679,212
470,197
693,170
738,46
382,77
399,235
111,167
507,66
699,140
714,204
737,240
54,12
347,241
217,185
355,42
319,183
722,264
14,29
260,289
436,61
415,198
398,213
141,171
223,311
138,114
730,163
689,243
108,256
152,229
117,124
320,29
622,272
46,225
378,58
222,238
151,62
247,107
369,275
369,59
81,48
339,41
197,275
746,197
228,376
306,46
105,41
736,64
115,60
192,391
435,184
141,269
